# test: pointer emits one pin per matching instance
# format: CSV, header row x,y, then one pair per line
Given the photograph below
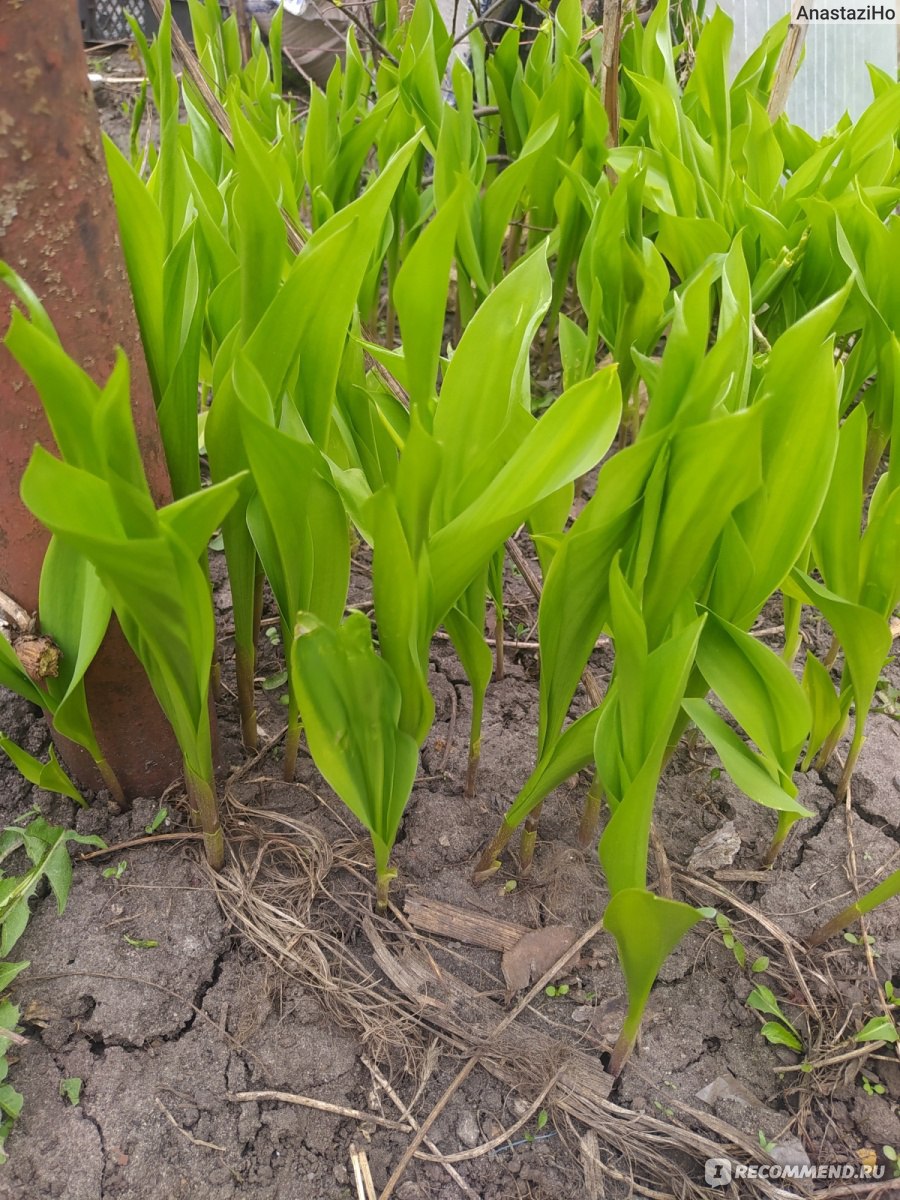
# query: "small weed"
x,y
158,819
71,1089
141,943
117,871
273,682
872,1085
730,941
764,1142
887,699
779,1032
561,990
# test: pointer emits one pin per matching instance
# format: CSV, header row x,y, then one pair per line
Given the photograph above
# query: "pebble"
x,y
467,1129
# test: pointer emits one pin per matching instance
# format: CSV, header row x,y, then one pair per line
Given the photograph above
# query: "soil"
x,y
164,1035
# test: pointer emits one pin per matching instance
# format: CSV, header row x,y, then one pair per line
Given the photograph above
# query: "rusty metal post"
x,y
58,230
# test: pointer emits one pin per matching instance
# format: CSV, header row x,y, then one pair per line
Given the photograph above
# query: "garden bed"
x,y
162,1035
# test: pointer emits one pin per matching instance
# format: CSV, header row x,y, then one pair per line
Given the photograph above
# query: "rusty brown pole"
x,y
58,230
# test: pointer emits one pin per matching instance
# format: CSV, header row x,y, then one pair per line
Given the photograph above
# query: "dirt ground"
x,y
165,1037
266,981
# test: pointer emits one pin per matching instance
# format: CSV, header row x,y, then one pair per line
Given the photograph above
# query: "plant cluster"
x,y
719,287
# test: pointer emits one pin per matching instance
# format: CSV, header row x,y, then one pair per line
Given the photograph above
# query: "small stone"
x,y
410,1191
341,1174
467,1129
718,849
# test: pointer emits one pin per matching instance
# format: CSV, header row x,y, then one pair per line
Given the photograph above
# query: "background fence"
x,y
833,76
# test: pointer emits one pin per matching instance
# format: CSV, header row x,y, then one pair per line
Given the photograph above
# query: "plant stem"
x,y
609,68
829,659
393,263
852,756
785,821
624,1046
590,817
793,611
831,743
489,863
204,809
292,738
513,245
786,70
499,646
244,660
529,838
886,890
474,743
243,24
384,872
245,665
111,780
382,890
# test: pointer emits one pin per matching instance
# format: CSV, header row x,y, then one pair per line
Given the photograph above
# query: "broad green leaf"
x,y
349,701
647,928
824,706
750,772
49,776
75,610
487,379
758,689
863,634
779,1035
420,294
878,1029
565,443
568,754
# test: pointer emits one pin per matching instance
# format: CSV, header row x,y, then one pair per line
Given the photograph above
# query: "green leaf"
x,y
141,943
488,377
567,441
156,821
8,972
878,1029
75,609
752,773
779,1035
349,702
49,775
662,924
758,688
420,299
272,682
763,1000
70,1087
824,705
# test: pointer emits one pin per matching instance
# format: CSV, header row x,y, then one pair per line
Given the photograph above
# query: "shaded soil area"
x,y
168,998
